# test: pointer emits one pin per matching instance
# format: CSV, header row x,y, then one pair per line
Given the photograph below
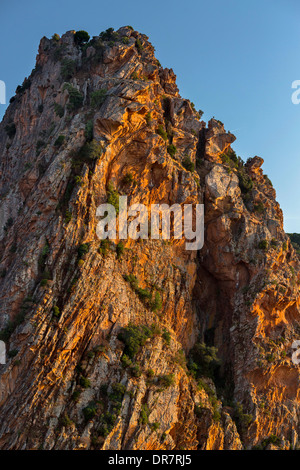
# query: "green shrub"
x,y
84,382
55,37
56,311
125,40
245,182
39,146
113,197
83,250
75,97
155,426
118,392
136,371
120,249
166,336
10,129
128,178
90,151
109,35
188,164
59,110
263,245
126,361
203,360
134,76
68,216
66,421
260,208
148,118
9,223
161,131
274,243
25,85
171,149
76,395
81,37
134,337
243,420
59,141
89,131
68,68
166,380
104,246
150,373
139,46
12,353
89,411
98,98
144,415
157,304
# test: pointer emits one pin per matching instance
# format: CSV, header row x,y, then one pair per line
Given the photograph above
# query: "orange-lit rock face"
x,y
67,383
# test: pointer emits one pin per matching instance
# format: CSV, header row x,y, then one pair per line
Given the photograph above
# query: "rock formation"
x,y
137,344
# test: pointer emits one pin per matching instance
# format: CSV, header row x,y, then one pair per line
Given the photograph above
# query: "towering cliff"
x,y
137,344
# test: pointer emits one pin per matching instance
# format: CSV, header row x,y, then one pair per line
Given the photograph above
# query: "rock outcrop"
x,y
137,344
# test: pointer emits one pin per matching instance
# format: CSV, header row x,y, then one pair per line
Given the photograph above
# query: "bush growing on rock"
x,y
134,337
75,97
68,68
59,110
98,98
83,250
263,245
81,37
161,131
171,149
203,360
188,165
59,141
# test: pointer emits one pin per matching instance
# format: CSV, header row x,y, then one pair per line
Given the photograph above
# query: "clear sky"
x,y
235,59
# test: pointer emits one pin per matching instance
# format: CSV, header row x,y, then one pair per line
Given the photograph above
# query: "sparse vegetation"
x,y
113,197
144,415
89,411
89,131
203,360
59,110
98,98
83,250
166,380
68,68
59,141
134,337
157,304
10,130
260,208
166,336
56,311
171,149
81,37
188,164
120,249
263,245
139,46
75,97
161,131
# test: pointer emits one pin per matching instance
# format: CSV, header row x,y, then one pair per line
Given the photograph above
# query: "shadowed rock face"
x,y
71,381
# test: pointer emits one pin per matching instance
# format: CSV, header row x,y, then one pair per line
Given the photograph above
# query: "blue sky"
x,y
235,59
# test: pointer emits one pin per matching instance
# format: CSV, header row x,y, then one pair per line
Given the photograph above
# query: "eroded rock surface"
x,y
71,381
